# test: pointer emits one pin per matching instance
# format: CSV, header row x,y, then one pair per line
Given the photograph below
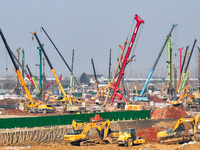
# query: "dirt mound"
x,y
168,112
156,99
149,134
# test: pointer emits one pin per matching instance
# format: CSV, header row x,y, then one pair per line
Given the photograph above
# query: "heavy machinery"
x,y
181,68
71,71
178,133
115,85
79,135
128,138
33,79
32,105
126,106
185,74
66,98
141,97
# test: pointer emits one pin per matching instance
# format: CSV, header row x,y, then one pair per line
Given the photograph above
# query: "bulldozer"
x,y
178,133
129,138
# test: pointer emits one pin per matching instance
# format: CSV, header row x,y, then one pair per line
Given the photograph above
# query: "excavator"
x,y
79,135
31,105
178,134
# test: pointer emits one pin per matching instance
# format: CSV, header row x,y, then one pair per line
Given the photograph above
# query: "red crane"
x,y
116,84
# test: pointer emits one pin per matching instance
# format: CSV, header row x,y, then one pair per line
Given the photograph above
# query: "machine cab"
x,y
132,133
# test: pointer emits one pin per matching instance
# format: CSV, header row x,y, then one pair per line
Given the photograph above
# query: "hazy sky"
x,y
91,28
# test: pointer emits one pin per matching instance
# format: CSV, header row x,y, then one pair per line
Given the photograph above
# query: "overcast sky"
x,y
91,28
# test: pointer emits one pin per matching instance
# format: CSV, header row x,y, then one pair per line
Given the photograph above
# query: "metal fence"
x,y
67,119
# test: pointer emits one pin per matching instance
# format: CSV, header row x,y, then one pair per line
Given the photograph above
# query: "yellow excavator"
x,y
129,138
31,105
79,134
178,134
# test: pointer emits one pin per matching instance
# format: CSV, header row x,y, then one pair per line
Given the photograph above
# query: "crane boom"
x,y
139,21
155,63
179,78
28,76
16,67
33,78
185,72
60,55
95,75
53,70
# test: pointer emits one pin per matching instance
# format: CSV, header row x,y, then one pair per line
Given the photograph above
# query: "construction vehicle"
x,y
32,105
71,70
115,85
181,68
185,74
141,97
33,79
125,106
80,136
178,134
128,138
66,98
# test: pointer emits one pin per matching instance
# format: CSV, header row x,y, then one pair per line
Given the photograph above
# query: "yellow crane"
x,y
31,105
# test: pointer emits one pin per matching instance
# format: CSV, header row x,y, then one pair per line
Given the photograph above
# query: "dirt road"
x,y
63,146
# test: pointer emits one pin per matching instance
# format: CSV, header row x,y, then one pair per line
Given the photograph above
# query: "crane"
x,y
140,98
185,74
33,78
72,75
16,67
60,55
31,105
180,73
109,67
95,75
116,85
67,100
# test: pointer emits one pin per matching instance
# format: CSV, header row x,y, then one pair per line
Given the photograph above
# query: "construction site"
x,y
46,110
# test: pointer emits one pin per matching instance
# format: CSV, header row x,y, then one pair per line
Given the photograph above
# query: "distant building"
x,y
100,78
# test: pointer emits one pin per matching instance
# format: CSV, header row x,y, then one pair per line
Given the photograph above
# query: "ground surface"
x,y
63,146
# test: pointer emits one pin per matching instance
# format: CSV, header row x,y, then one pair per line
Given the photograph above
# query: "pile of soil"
x,y
149,134
156,99
168,112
